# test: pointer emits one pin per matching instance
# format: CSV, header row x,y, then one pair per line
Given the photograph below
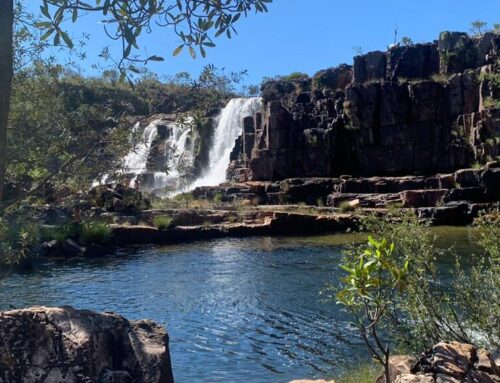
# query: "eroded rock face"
x,y
56,345
418,109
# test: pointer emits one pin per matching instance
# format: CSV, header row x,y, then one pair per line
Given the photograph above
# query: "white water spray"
x,y
229,127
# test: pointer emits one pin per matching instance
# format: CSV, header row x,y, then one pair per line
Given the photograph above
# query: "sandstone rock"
x,y
411,378
441,378
42,344
447,362
453,358
398,365
486,363
420,198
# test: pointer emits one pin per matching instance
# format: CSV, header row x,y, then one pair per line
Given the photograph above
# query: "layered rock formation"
x,y
42,344
418,109
449,198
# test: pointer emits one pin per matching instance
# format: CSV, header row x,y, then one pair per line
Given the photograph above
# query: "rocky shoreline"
x,y
50,344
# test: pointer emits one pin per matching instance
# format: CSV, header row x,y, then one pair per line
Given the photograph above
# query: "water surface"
x,y
237,310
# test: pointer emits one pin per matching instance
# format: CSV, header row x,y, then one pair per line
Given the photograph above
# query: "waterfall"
x,y
229,127
178,147
177,143
135,161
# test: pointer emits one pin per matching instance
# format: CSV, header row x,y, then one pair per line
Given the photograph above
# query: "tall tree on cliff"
x,y
195,22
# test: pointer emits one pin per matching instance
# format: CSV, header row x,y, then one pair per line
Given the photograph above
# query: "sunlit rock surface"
x,y
55,345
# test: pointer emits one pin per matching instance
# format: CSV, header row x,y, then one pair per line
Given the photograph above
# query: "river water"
x,y
237,310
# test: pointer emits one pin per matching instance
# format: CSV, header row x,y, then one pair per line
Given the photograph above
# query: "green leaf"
x,y
67,40
43,24
192,52
45,10
46,35
155,58
178,50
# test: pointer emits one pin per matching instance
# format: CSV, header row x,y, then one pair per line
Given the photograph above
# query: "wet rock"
x,y
43,344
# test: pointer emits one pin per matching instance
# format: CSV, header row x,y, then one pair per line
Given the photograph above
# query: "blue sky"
x,y
306,35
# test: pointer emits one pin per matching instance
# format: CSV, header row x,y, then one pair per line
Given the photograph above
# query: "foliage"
x,y
493,78
217,198
478,27
406,41
346,207
63,130
366,373
479,288
428,312
491,103
376,276
94,232
195,22
18,242
162,222
295,76
87,232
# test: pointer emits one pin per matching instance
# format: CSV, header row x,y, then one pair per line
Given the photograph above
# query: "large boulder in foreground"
x,y
56,345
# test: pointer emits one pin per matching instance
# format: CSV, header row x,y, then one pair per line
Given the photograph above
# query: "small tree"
x,y
374,280
406,41
478,27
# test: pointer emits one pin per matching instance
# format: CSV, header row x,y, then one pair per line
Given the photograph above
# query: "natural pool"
x,y
237,310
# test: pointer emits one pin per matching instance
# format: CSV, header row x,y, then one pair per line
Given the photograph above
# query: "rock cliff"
x,y
418,109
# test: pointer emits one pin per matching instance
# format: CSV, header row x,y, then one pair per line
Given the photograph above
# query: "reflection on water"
x,y
236,309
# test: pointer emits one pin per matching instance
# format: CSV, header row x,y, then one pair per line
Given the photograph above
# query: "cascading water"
x,y
229,127
178,146
135,161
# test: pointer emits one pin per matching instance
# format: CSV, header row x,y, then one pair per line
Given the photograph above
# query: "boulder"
x,y
398,365
450,362
43,344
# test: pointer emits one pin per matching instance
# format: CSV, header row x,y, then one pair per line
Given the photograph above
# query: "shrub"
x,y
345,207
430,312
18,243
94,233
162,222
366,373
376,276
217,198
295,76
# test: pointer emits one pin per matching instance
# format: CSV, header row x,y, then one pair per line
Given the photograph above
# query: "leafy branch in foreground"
x,y
374,278
394,284
195,22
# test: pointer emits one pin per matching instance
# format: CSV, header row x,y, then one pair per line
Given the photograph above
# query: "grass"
x,y
366,373
86,233
345,207
94,232
491,103
162,222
